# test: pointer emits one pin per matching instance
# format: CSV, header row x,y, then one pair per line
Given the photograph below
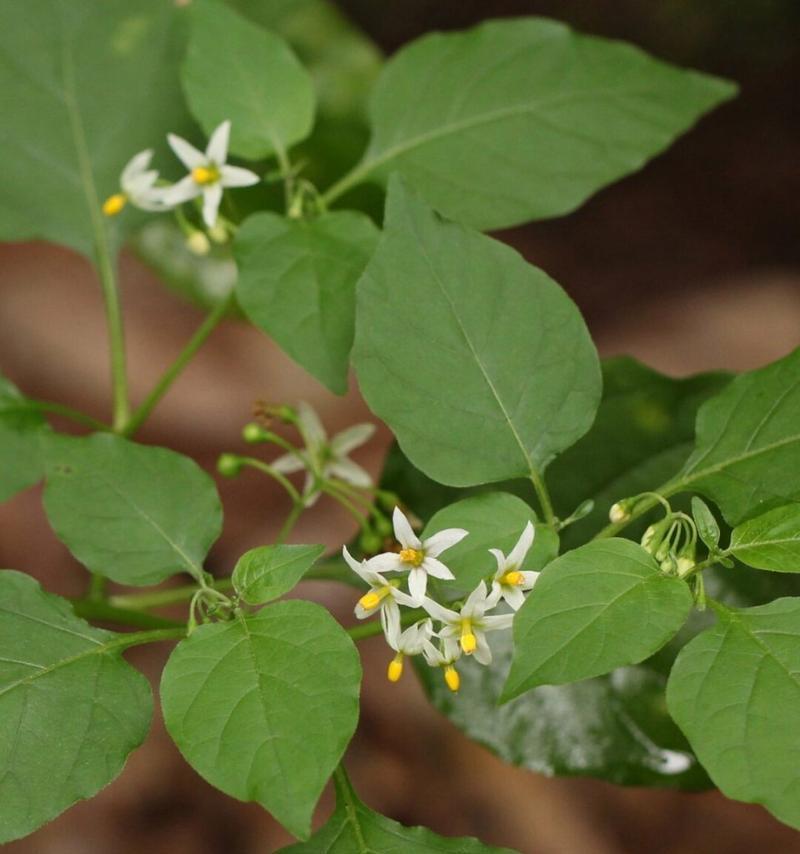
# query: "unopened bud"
x,y
685,566
253,433
383,526
198,244
619,512
370,542
668,565
218,233
229,465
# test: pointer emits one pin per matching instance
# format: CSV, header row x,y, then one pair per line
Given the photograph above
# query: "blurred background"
x,y
693,264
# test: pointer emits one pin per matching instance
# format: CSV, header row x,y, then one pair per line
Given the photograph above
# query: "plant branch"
x,y
544,498
107,613
66,412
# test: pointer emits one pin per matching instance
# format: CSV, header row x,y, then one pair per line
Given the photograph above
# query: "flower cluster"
x,y
208,174
445,633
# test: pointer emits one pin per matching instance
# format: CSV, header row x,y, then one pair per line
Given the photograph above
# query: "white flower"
x,y
382,594
509,580
469,625
417,556
445,655
325,459
208,173
410,642
138,186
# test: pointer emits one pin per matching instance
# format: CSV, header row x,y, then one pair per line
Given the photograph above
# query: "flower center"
x,y
374,598
395,670
412,556
114,204
205,175
513,578
452,678
469,643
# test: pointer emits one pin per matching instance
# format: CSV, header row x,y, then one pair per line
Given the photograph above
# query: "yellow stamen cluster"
x,y
513,578
114,204
412,556
452,678
395,670
374,598
469,643
205,175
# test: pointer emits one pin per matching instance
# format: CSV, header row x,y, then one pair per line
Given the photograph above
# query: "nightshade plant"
x,y
514,444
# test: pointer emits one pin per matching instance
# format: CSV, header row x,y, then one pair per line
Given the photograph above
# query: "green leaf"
x,y
614,727
448,321
71,710
601,606
771,541
21,432
268,572
524,119
82,93
132,513
707,526
263,707
236,70
355,829
735,692
494,520
297,282
747,453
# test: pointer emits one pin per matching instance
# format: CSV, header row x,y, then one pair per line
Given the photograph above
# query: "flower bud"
x,y
685,566
198,244
229,465
619,512
253,433
218,233
370,542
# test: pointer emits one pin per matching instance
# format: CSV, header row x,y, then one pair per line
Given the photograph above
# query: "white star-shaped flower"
x,y
509,580
323,458
470,624
409,642
384,595
138,184
445,655
208,173
418,557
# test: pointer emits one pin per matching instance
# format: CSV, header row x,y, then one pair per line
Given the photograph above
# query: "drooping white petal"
x,y
413,639
497,622
403,531
514,596
212,196
310,426
351,438
402,598
442,540
522,547
136,165
433,655
483,652
186,152
148,198
390,620
386,562
187,188
349,472
287,464
358,566
235,176
417,584
439,612
451,649
436,568
217,148
501,562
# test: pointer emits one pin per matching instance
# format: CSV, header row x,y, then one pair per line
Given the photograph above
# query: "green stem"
x,y
346,503
346,797
254,463
544,498
66,412
175,369
291,519
640,509
106,612
97,588
354,177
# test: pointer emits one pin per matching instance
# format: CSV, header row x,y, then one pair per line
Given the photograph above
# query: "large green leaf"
x,y
297,282
83,90
268,572
494,520
524,119
614,727
130,512
747,454
71,710
355,829
735,692
601,606
21,430
236,70
264,706
770,541
480,364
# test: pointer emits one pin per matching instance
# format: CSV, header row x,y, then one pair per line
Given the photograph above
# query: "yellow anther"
x,y
114,204
374,598
514,578
205,174
469,643
412,556
395,670
452,678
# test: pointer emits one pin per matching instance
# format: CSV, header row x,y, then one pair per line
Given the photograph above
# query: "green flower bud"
x,y
229,465
370,542
253,433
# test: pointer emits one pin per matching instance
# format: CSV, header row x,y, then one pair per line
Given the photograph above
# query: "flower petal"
x,y
386,562
417,584
521,549
187,188
483,652
514,596
235,176
212,196
287,464
402,598
217,148
442,540
356,565
349,472
136,165
310,426
529,579
436,568
439,612
501,562
497,622
403,531
351,438
390,620
186,152
476,601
